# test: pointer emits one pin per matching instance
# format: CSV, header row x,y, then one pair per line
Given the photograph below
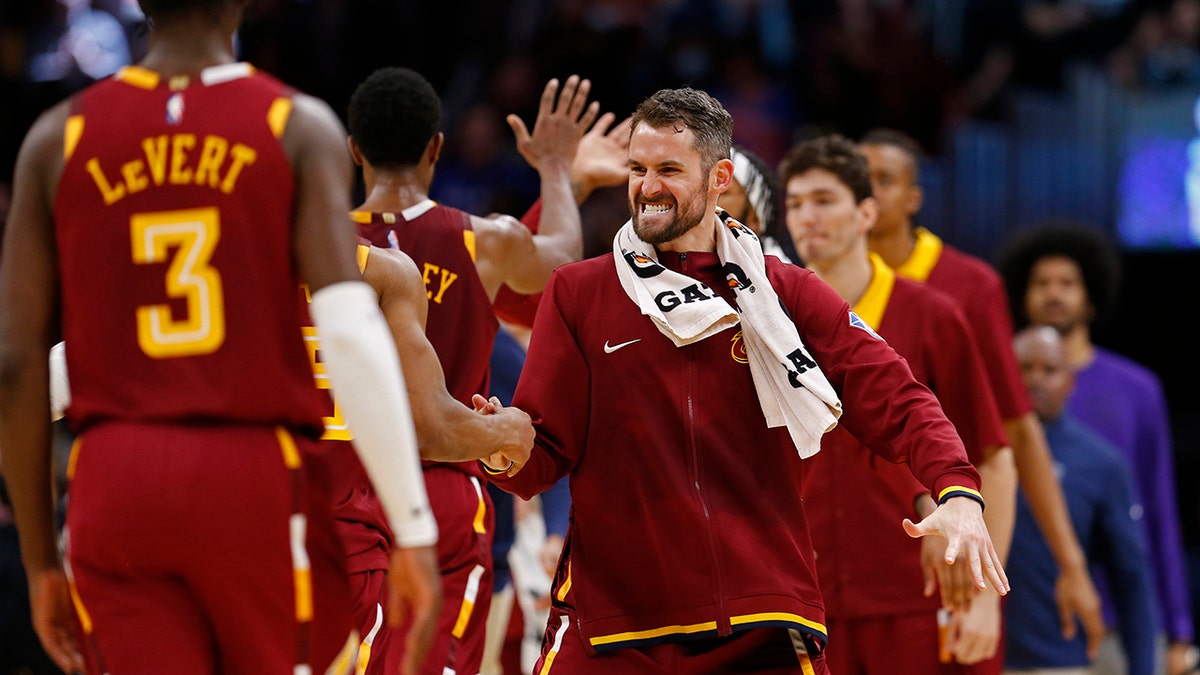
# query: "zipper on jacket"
x,y
724,628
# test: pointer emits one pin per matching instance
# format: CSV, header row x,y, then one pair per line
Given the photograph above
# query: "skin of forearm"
x,y
1035,471
998,475
559,237
27,465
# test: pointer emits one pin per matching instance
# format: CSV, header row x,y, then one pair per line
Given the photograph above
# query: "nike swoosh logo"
x,y
608,349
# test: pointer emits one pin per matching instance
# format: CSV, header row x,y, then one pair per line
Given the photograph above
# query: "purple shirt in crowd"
x,y
1123,401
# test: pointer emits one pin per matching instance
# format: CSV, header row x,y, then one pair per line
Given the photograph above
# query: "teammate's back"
x,y
189,216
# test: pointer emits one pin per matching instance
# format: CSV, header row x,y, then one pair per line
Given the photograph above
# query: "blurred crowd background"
x,y
1027,109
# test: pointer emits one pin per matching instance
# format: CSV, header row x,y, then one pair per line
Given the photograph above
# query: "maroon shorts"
x,y
466,523
768,651
897,644
201,549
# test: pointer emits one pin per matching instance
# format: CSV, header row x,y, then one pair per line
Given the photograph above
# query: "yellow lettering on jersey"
x,y
135,176
429,270
211,156
448,278
336,428
156,157
180,145
185,239
110,193
242,155
444,278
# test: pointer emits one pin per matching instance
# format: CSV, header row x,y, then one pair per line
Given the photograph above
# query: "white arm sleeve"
x,y
364,373
60,386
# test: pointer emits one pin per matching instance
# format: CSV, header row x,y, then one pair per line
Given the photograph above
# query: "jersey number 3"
x,y
192,235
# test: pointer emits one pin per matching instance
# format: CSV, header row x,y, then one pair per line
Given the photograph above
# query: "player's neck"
x,y
1077,344
393,190
179,48
895,246
849,274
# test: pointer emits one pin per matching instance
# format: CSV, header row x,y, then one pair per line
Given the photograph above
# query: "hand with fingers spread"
x,y
54,618
960,521
563,117
414,589
603,157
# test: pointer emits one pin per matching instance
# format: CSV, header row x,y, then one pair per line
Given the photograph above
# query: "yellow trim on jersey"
x,y
291,456
874,301
777,616
806,666
959,488
277,116
73,458
925,256
361,217
556,647
85,619
653,633
480,524
138,77
72,131
470,595
469,242
566,587
363,252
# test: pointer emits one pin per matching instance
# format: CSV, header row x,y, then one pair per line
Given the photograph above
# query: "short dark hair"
x,y
833,153
899,140
160,9
1085,244
711,124
392,116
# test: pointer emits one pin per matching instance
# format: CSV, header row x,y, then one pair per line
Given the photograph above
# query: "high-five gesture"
x,y
563,117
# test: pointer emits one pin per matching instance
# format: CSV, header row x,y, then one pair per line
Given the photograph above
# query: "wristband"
x,y
960,491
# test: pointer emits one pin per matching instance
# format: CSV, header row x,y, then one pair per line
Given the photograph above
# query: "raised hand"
x,y
603,157
563,117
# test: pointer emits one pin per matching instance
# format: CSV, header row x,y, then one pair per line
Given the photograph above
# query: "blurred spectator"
x,y
1163,49
480,171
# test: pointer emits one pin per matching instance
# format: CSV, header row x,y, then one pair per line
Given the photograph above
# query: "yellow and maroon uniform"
x,y
462,328
192,513
872,599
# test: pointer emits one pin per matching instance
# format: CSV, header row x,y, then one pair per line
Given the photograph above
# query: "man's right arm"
x,y
28,327
447,430
524,260
1074,592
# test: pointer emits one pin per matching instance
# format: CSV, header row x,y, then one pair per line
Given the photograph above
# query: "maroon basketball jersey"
x,y
174,229
462,325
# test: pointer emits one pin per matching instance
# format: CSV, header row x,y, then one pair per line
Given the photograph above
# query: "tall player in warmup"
x,y
918,254
464,259
163,220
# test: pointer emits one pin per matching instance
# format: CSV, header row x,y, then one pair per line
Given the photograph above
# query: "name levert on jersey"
x,y
174,159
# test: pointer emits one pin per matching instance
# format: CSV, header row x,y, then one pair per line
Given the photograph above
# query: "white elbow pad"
x,y
364,373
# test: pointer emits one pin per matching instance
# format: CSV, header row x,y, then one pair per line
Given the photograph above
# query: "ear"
x,y
867,214
721,176
916,198
433,151
355,152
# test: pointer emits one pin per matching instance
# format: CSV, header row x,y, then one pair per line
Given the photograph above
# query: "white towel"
x,y
791,388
